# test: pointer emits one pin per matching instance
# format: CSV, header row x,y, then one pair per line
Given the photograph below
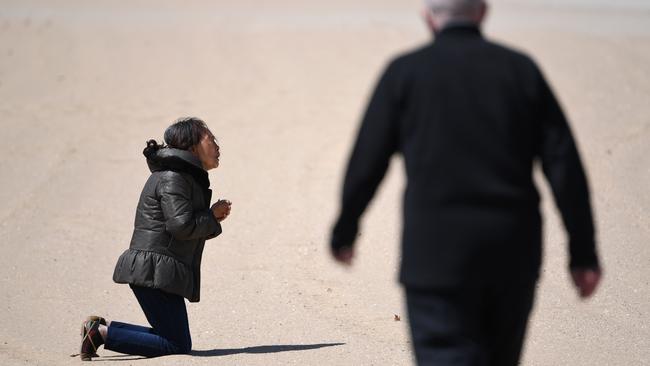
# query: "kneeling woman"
x,y
162,265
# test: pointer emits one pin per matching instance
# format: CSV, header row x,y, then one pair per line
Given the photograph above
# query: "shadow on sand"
x,y
119,358
262,349
231,351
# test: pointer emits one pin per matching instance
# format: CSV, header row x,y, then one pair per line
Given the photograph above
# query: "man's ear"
x,y
428,19
483,12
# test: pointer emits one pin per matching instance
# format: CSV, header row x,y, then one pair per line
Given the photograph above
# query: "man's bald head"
x,y
442,12
455,7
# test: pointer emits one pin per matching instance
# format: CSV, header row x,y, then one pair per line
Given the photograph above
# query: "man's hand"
x,y
586,280
221,209
343,255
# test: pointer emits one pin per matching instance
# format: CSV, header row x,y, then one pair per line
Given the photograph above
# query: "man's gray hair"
x,y
454,8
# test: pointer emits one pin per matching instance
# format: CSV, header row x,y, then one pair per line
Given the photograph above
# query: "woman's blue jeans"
x,y
169,332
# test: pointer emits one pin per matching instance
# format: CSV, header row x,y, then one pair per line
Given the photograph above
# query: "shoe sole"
x,y
102,321
85,356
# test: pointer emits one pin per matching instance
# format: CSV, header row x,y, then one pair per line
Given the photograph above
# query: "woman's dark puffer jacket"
x,y
172,222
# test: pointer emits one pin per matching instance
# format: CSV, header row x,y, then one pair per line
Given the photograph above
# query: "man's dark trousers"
x,y
469,326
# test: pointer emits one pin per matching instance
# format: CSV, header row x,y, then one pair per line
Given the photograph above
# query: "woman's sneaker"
x,y
91,339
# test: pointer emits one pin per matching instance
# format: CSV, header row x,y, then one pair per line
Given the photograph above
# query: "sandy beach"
x,y
282,85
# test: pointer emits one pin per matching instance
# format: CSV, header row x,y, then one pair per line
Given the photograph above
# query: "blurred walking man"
x,y
470,118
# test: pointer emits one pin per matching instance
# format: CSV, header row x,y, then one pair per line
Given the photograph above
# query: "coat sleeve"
x,y
181,221
564,171
376,141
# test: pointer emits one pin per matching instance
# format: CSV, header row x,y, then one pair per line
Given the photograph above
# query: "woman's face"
x,y
207,151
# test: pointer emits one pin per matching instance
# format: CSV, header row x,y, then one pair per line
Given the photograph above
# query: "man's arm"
x,y
377,140
564,171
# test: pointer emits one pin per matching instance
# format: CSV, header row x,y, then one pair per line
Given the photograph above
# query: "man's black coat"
x,y
470,118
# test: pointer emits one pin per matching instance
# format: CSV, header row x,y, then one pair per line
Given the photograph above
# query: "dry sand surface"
x,y
282,85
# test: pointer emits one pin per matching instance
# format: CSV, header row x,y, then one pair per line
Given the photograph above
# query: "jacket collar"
x,y
459,29
177,160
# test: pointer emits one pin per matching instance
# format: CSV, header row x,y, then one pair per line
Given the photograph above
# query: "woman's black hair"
x,y
182,134
152,147
185,132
